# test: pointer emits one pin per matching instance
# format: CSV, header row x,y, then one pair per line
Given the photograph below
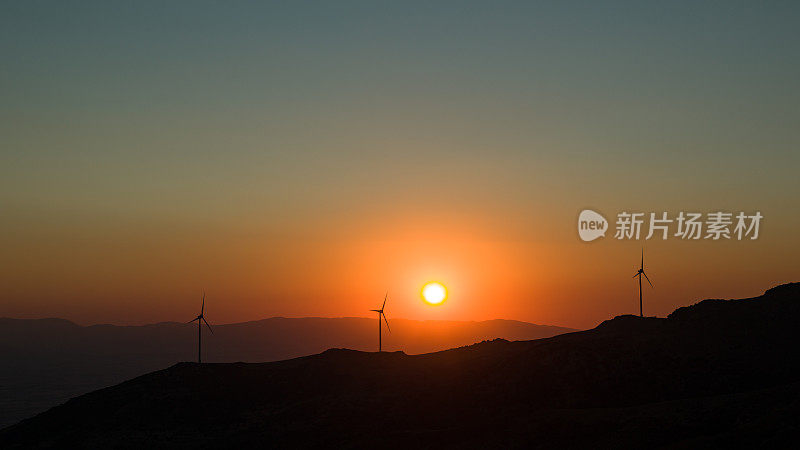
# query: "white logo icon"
x,y
591,225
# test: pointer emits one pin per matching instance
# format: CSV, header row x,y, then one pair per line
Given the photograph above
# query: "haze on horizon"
x,y
301,159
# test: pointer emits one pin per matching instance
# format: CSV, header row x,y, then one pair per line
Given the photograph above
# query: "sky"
x,y
304,158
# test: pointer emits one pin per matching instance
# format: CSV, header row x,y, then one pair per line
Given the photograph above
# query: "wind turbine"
x,y
380,313
200,319
639,274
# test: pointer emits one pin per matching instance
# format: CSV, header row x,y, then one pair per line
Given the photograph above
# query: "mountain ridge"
x,y
629,382
47,361
7,319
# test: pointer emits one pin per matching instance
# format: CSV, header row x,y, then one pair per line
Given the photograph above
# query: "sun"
x,y
434,293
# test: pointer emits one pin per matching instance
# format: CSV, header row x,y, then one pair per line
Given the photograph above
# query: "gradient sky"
x,y
302,158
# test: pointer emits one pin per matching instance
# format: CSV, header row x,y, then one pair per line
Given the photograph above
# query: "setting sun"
x,y
434,293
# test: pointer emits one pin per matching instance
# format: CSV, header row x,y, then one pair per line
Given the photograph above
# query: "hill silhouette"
x,y
48,361
718,373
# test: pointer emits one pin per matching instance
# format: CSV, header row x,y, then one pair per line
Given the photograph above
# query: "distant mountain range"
x,y
718,374
48,361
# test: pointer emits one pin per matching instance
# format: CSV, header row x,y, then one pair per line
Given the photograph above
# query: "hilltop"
x,y
49,361
717,373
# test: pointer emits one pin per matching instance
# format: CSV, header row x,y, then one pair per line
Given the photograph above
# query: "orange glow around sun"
x,y
434,293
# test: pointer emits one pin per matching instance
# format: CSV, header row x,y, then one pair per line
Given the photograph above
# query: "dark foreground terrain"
x,y
715,374
45,362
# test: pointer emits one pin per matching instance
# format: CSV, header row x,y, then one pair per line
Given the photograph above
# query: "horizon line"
x,y
278,317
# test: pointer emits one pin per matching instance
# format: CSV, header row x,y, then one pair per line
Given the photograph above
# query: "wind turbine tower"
x,y
200,320
381,314
639,274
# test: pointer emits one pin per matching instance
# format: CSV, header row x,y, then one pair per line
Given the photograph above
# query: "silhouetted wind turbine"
x,y
380,313
199,320
639,274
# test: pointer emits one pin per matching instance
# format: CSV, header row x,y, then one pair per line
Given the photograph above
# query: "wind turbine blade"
x,y
648,279
634,275
209,326
385,297
387,322
192,320
642,266
375,310
203,306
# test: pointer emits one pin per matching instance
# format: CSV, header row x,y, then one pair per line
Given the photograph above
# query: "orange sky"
x,y
124,271
302,161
